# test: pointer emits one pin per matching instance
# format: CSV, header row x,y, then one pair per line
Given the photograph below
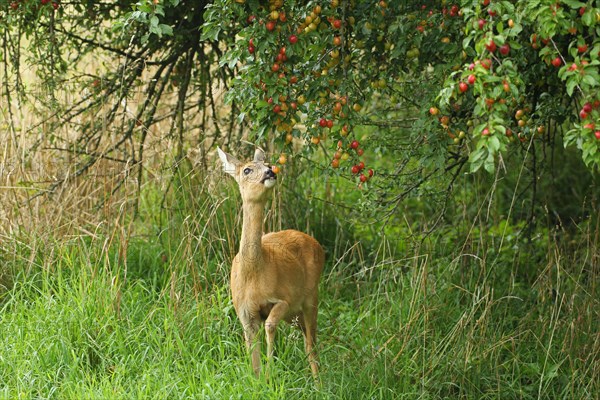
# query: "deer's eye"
x,y
247,171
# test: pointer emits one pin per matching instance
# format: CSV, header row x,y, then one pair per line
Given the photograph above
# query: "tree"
x,y
392,96
513,73
419,92
107,74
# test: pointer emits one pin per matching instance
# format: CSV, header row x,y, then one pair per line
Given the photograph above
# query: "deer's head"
x,y
255,178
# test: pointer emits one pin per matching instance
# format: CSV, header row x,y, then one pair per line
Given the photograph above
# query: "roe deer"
x,y
275,276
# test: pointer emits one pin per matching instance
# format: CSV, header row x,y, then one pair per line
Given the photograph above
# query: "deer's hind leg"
x,y
309,329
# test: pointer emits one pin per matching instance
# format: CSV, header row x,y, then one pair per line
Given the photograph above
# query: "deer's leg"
x,y
251,327
310,339
277,314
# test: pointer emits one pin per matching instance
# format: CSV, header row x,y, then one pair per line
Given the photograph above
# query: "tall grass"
x,y
141,309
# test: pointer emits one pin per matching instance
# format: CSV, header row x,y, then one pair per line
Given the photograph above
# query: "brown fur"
x,y
275,276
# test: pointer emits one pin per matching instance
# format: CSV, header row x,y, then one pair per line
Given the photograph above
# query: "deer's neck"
x,y
252,231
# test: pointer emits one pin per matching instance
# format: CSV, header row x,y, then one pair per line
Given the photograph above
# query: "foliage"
x,y
315,68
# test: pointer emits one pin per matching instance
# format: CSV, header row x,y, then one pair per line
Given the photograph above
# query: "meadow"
x,y
140,307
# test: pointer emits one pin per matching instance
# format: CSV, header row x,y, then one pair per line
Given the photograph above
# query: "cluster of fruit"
x,y
289,37
15,5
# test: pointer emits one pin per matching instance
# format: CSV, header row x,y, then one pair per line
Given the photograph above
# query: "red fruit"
x,y
251,19
485,132
481,23
371,173
330,123
275,67
491,46
270,26
361,165
486,3
504,49
337,24
583,114
323,122
354,145
251,49
582,11
276,108
573,67
293,39
293,105
44,2
355,169
335,163
360,152
486,63
363,178
587,107
582,48
597,134
463,87
471,79
434,111
55,5
519,114
557,62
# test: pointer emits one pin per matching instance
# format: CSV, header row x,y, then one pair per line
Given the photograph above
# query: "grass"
x,y
80,319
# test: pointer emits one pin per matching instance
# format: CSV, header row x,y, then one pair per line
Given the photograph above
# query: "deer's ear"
x,y
230,163
259,155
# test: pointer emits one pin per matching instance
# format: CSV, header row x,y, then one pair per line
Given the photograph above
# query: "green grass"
x,y
79,321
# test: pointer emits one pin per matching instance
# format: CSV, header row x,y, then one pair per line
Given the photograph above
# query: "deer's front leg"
x,y
251,327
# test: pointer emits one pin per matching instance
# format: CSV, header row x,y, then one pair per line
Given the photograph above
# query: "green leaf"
x,y
241,117
571,83
574,3
166,29
493,144
489,165
476,159
589,80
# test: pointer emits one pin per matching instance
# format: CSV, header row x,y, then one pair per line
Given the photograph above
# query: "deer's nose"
x,y
270,174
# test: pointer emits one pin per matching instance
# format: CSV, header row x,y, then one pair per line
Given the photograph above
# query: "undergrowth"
x,y
479,308
80,319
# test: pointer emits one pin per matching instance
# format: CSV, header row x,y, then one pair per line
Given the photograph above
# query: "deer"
x,y
274,276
